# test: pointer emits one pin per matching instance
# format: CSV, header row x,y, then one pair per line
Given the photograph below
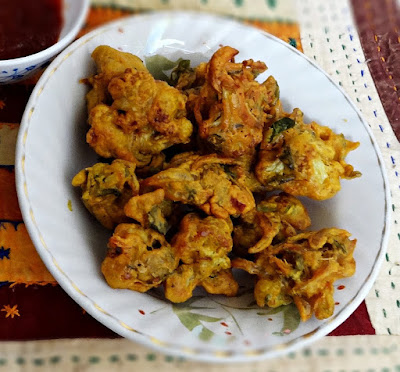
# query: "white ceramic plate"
x,y
51,149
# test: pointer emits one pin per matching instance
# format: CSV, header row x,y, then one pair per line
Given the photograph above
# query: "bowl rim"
x,y
58,46
196,354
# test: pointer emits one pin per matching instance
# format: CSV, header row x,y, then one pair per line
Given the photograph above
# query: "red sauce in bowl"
x,y
28,26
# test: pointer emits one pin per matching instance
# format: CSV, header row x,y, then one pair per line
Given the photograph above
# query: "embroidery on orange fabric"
x,y
289,32
11,311
22,264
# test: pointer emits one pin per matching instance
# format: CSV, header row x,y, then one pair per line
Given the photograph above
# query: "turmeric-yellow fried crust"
x,y
150,210
207,147
209,182
202,246
110,63
304,159
222,283
138,258
155,165
190,82
231,107
290,210
146,117
106,188
273,220
302,270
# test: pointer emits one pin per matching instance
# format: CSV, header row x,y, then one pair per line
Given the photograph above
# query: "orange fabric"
x,y
20,262
285,31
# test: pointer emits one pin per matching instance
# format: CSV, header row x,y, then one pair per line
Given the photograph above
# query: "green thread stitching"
x,y
75,359
150,357
131,357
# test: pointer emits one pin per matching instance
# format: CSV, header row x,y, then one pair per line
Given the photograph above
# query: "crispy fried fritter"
x,y
202,246
106,188
183,76
244,143
110,63
304,159
209,182
232,107
302,270
273,220
222,283
255,232
190,81
138,258
155,165
146,117
179,286
150,210
248,163
292,213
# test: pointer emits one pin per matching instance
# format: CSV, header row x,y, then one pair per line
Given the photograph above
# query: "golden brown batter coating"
x,y
146,117
273,220
138,258
242,142
302,270
106,188
291,212
221,283
232,107
304,159
202,246
209,182
150,210
110,63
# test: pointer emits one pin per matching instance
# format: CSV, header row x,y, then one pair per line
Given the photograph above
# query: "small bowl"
x,y
17,69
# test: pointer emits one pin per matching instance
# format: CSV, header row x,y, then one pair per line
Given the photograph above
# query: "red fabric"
x,y
13,99
357,324
378,23
46,312
61,317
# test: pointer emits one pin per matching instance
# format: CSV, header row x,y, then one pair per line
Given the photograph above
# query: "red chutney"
x,y
28,26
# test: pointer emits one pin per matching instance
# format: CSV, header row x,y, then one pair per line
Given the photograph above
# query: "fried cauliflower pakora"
x,y
202,246
304,159
110,63
302,270
187,192
138,258
106,188
146,117
209,182
273,220
150,210
232,107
